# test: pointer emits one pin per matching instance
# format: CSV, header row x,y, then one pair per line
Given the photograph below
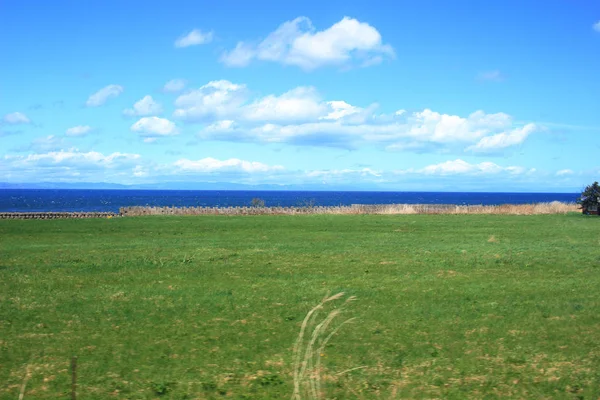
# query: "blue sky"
x,y
405,95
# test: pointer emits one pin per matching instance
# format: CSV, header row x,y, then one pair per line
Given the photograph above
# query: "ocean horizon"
x,y
110,200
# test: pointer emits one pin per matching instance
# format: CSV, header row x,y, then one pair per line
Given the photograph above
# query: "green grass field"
x,y
447,306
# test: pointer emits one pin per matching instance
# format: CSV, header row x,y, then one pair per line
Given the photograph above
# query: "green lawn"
x,y
448,306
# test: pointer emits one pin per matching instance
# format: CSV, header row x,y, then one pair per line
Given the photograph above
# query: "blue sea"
x,y
45,200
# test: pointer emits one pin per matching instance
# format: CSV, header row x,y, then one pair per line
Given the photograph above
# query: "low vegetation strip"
x,y
56,215
508,209
447,306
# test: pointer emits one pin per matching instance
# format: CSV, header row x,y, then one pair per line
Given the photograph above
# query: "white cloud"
x,y
442,128
72,158
240,56
503,140
102,95
363,172
45,143
340,109
144,106
72,165
301,116
346,124
210,165
193,38
139,171
154,126
564,172
174,85
494,76
216,99
419,128
226,100
301,103
225,125
79,130
596,26
298,43
458,166
449,167
16,118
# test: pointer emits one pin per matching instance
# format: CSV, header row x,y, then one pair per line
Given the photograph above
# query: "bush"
x,y
257,202
590,197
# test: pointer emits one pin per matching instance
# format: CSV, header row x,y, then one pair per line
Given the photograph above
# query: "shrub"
x,y
590,197
257,202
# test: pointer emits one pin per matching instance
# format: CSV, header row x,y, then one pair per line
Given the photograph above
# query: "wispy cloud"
x,y
564,172
174,85
44,144
79,130
596,26
458,166
16,118
491,76
102,95
209,165
194,38
502,140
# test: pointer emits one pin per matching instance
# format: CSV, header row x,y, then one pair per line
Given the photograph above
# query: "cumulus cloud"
x,y
299,104
16,118
339,110
215,100
439,127
210,165
193,38
301,116
102,95
144,106
504,139
298,43
154,127
79,130
227,100
336,128
174,85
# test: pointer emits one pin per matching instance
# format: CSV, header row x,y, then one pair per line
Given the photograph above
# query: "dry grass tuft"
x,y
308,349
492,239
24,385
554,207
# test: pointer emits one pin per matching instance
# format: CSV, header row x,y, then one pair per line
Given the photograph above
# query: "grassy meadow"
x,y
208,307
